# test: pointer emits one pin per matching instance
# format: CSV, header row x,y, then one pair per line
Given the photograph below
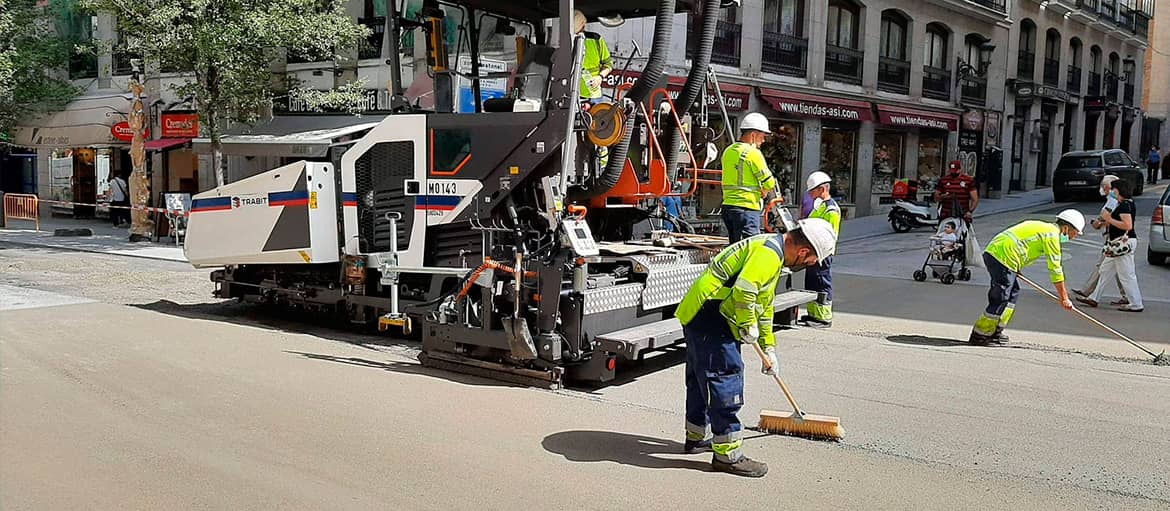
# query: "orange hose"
x,y
487,264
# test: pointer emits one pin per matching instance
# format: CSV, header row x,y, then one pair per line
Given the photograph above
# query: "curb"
x,y
998,212
90,251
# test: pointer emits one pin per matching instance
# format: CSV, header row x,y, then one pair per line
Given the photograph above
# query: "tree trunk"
x,y
141,223
217,160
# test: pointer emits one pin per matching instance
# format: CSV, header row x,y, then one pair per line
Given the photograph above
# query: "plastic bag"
x,y
974,251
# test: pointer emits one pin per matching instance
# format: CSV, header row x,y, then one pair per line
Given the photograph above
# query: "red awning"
x,y
896,116
808,105
163,144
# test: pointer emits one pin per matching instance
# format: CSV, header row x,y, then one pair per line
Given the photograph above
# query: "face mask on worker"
x,y
1063,238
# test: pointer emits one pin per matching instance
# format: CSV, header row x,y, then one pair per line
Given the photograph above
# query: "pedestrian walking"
x,y
1106,190
120,198
731,303
819,278
1153,165
1008,254
1119,251
747,182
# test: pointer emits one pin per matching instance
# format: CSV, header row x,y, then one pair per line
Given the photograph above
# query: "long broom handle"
x,y
776,376
1087,316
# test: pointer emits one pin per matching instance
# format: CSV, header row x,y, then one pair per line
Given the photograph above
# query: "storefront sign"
x,y
735,97
1028,90
807,105
123,132
1096,103
180,125
991,129
895,116
288,105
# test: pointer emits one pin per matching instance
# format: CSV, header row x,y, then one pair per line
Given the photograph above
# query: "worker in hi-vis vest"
x,y
596,64
747,182
731,303
819,278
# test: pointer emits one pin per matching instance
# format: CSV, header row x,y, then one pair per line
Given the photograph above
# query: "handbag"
x,y
1117,247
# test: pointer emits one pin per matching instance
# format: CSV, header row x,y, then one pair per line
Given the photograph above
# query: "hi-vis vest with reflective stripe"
x,y
596,57
1022,244
743,277
745,173
829,211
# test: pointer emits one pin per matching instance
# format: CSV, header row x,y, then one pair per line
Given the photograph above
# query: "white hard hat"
x,y
817,178
754,121
1074,218
821,235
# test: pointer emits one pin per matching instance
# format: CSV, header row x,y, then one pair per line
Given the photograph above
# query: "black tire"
x,y
920,276
965,274
1140,188
948,279
900,225
1155,258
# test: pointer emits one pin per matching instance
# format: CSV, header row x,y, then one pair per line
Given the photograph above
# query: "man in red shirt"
x,y
957,188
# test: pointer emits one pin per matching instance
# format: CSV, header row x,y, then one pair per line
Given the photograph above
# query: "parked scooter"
x,y
908,215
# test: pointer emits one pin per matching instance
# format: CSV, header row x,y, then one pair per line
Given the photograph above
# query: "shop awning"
x,y
307,136
808,105
163,144
897,116
84,122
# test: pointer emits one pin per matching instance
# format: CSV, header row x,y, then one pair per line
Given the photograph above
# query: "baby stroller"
x,y
947,258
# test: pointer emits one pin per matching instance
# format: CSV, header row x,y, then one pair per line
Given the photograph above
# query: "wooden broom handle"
x,y
1087,316
776,376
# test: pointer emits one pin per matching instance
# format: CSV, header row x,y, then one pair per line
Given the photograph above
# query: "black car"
x,y
1079,173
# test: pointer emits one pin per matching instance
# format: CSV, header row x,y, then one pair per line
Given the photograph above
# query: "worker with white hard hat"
x,y
819,278
1008,253
747,181
731,303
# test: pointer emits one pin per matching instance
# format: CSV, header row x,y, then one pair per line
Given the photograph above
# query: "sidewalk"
x,y
878,225
105,240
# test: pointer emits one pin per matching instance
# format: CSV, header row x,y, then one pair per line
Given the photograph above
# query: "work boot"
x,y
979,339
697,446
814,322
999,337
745,467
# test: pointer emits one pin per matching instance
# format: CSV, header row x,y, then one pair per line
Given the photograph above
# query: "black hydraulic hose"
x,y
696,80
651,75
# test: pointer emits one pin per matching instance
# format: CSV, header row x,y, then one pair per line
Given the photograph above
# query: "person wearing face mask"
x,y
957,189
747,182
1120,245
1008,253
1098,223
819,278
731,303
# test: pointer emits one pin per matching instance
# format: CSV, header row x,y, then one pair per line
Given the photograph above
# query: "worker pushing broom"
x,y
729,304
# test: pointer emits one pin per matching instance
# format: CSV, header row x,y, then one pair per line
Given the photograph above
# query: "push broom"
x,y
1161,359
798,423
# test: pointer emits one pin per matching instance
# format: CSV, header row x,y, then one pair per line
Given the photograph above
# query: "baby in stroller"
x,y
947,258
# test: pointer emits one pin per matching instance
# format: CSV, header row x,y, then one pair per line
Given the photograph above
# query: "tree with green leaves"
x,y
33,59
229,46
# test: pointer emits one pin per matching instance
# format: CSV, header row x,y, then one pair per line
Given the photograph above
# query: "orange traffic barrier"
x,y
21,206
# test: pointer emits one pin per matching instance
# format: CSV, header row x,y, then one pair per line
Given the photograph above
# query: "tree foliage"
x,y
229,46
32,60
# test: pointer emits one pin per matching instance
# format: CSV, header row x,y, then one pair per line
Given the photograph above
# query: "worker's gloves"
x,y
749,334
773,366
594,82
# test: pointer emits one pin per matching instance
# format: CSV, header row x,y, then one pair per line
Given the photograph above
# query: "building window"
x,y
932,152
79,28
725,49
936,78
1026,63
893,68
839,160
843,61
1052,58
1073,81
785,17
888,160
785,50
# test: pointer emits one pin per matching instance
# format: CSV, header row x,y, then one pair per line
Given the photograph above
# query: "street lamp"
x,y
1110,75
967,71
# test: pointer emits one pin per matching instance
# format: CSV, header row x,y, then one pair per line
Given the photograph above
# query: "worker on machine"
x,y
731,303
596,65
1007,254
819,278
747,182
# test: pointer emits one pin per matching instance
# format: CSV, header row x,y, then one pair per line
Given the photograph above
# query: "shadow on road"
x,y
623,448
922,340
406,368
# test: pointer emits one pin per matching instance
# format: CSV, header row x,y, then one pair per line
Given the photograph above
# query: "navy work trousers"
x,y
740,222
714,375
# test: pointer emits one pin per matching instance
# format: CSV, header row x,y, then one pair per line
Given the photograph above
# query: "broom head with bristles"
x,y
819,427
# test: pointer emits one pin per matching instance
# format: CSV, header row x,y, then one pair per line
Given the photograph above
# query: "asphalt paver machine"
x,y
492,226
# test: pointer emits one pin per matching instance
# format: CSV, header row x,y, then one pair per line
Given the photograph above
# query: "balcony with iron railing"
x,y
1129,92
973,91
1051,72
1125,17
1026,65
725,49
893,75
785,54
843,64
83,64
1108,10
1073,80
1141,25
998,5
371,46
121,62
1094,84
1111,86
1089,5
936,83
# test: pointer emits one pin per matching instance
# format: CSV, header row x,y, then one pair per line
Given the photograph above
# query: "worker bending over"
x,y
747,182
731,302
1008,253
596,64
819,278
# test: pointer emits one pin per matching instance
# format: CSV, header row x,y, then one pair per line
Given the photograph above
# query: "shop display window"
x,y
782,152
931,162
839,160
888,161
